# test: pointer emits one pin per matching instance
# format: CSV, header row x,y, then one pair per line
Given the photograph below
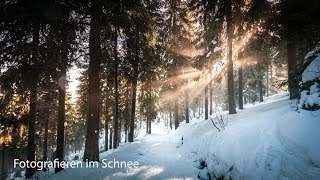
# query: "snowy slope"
x,y
267,141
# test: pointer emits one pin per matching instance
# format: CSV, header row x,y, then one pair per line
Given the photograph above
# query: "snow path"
x,y
158,159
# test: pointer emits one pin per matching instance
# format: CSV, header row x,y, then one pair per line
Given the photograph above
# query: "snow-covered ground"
x,y
158,158
269,140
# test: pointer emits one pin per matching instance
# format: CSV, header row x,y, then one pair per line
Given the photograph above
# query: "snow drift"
x,y
310,94
267,141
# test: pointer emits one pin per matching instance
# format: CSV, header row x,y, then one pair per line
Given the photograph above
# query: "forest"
x,y
89,75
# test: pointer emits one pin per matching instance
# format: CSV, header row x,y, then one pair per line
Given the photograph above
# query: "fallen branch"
x,y
214,124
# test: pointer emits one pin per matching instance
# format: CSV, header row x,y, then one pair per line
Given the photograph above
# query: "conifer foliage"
x,y
142,61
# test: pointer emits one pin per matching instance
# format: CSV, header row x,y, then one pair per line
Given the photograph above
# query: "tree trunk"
x,y
187,106
271,79
110,144
62,96
119,133
133,105
267,90
31,132
127,115
106,122
240,85
231,100
150,126
206,104
176,115
3,152
45,142
116,116
91,152
166,119
33,104
292,61
260,91
260,85
210,96
148,108
170,118
147,126
61,118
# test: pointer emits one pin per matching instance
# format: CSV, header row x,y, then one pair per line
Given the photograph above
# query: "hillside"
x,y
270,140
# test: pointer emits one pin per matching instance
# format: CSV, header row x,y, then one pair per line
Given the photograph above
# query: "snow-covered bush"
x,y
310,92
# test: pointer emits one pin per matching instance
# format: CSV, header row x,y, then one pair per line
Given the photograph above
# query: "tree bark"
x,y
206,104
33,103
126,115
260,91
3,152
210,96
170,118
150,106
133,106
106,122
231,100
147,125
92,137
31,127
187,106
292,60
62,95
150,126
176,115
260,84
116,116
271,80
61,117
110,144
240,85
45,142
119,133
267,90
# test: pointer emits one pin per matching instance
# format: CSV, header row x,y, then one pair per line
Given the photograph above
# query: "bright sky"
x,y
74,73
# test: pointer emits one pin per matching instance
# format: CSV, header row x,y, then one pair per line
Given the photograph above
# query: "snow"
x,y
209,53
312,72
309,100
269,140
217,49
314,88
158,158
311,97
312,53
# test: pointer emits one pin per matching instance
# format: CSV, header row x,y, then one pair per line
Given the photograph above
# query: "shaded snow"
x,y
310,97
269,140
312,53
217,49
312,72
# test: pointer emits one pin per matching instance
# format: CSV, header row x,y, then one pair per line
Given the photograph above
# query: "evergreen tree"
x,y
93,116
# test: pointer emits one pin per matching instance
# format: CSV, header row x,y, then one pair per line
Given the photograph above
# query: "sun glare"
x,y
74,73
